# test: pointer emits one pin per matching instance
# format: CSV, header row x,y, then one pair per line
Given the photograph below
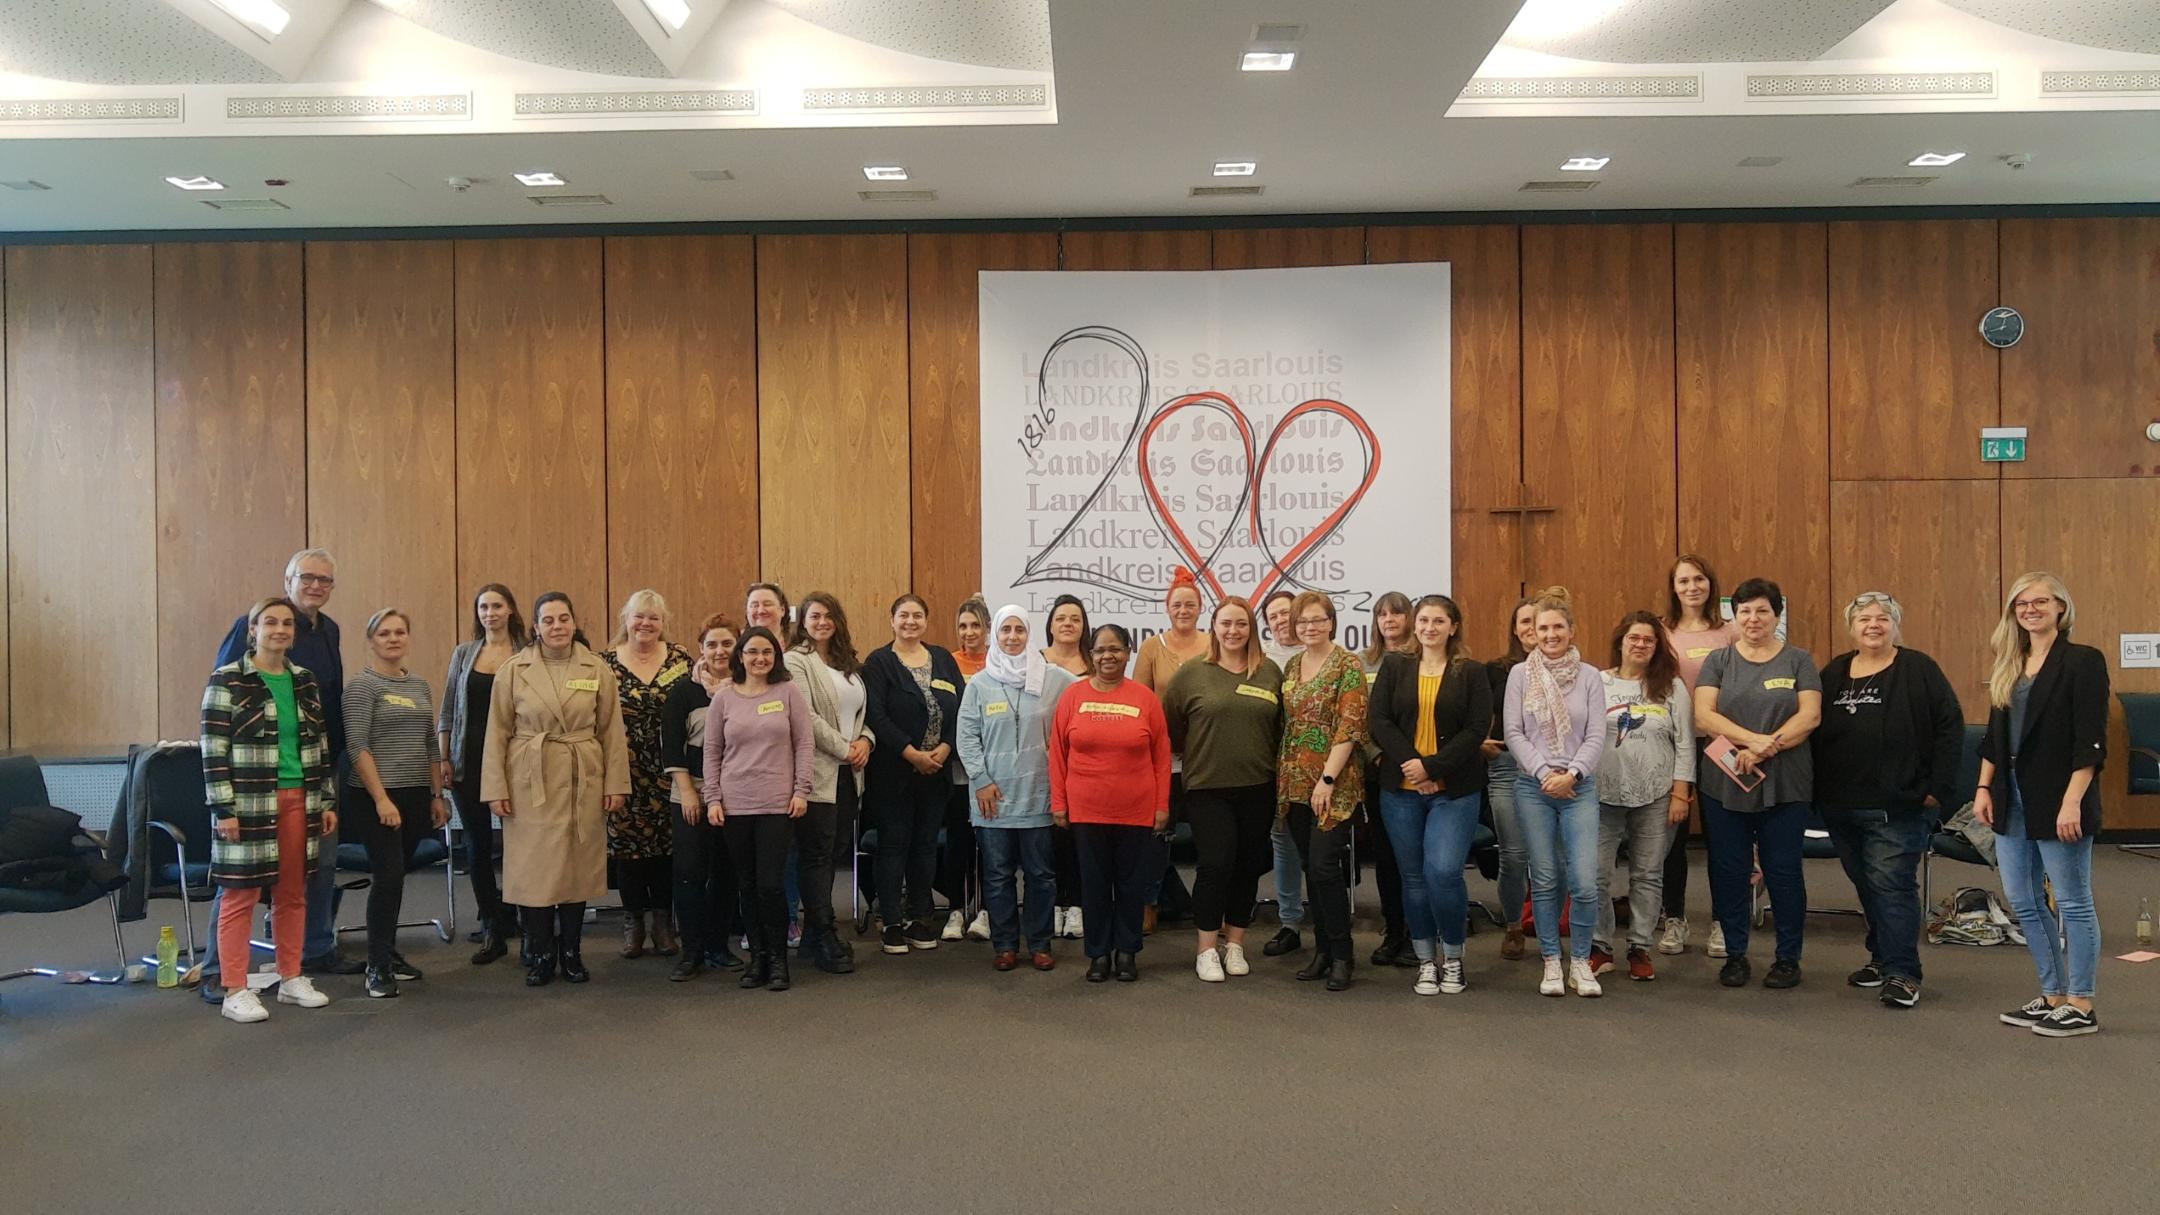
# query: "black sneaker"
x,y
2034,1012
689,967
381,984
1285,941
1735,973
893,940
1870,975
2067,1021
921,934
332,963
1784,973
1900,992
402,970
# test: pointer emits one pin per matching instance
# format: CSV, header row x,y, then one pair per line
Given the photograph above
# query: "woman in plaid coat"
x,y
267,778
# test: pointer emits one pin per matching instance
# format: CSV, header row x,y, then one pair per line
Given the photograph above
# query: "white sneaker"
x,y
1674,939
1428,980
1552,984
979,927
1209,966
241,1005
1583,980
300,990
1716,948
1057,921
1233,960
1073,927
955,927
1451,977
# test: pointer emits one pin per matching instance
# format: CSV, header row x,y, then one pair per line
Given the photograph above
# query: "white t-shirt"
x,y
854,701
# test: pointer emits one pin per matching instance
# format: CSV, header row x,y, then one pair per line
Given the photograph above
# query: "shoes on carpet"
x,y
1674,938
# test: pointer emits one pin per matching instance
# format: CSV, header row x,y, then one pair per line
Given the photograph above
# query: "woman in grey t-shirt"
x,y
1765,698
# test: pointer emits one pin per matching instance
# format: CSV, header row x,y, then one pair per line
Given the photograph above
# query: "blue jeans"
x,y
1648,835
1431,835
1500,774
322,898
2024,863
1772,835
1881,851
1549,828
1289,876
1008,853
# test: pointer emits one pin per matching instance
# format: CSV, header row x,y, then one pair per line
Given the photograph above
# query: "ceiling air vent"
x,y
570,200
897,196
1277,33
1761,162
1227,191
1556,187
1891,183
245,204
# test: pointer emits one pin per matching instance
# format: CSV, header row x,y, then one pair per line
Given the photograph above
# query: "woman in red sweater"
x,y
1110,785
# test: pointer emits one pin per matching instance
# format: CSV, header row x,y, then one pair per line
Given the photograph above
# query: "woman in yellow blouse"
x,y
1320,781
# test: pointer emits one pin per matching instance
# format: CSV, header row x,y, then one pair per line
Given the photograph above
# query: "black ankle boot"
x,y
1127,966
538,949
777,978
1339,978
758,973
830,954
1320,967
492,944
1393,945
570,942
540,970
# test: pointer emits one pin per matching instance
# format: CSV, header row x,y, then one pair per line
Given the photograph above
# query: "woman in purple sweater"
x,y
1554,721
758,749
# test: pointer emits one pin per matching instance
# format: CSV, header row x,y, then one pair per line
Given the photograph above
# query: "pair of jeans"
x,y
758,845
288,908
1773,835
1561,833
704,876
1500,774
1010,854
1431,834
1881,850
1648,833
389,852
910,809
477,824
1230,829
1327,876
1113,884
2024,863
1289,875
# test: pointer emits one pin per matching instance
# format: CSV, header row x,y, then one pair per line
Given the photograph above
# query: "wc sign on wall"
x,y
1262,428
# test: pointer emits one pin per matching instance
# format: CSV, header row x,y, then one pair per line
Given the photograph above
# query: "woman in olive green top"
x,y
1225,717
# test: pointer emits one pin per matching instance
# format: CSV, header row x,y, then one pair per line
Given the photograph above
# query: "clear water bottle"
x,y
2145,921
168,958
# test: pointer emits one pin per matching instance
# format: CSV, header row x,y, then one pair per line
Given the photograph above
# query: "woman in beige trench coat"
x,y
556,765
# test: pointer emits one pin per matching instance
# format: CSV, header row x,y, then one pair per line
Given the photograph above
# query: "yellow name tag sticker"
x,y
1109,707
772,706
583,685
943,686
1785,684
1258,693
1701,651
995,707
402,702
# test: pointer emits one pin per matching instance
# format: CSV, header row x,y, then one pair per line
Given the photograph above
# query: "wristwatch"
x,y
1325,779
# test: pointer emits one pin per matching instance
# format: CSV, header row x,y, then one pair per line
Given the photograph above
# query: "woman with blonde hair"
x,y
2046,736
641,839
390,738
1554,716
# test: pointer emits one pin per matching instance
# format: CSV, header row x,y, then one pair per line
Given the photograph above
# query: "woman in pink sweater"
x,y
758,750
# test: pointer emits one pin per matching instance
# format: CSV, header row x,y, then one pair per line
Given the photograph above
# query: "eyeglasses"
x,y
2032,605
1305,620
323,580
1865,598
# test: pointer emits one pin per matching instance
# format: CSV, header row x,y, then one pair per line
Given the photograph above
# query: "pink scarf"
x,y
1546,684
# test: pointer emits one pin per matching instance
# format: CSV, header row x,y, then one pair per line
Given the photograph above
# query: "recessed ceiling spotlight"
x,y
1586,164
539,177
1236,168
885,172
1267,61
195,183
671,14
1935,160
266,18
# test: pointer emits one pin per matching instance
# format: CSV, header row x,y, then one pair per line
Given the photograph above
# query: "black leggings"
x,y
704,874
389,850
557,930
646,883
909,809
758,844
1230,831
956,877
478,826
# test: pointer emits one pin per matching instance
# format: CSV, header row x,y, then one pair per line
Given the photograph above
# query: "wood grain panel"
x,y
1177,249
1935,545
945,403
682,423
1752,334
1598,442
1263,248
531,466
382,440
231,449
2086,378
833,423
82,510
1911,383
1485,275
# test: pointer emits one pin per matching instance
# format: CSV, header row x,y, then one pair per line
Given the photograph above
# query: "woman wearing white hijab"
x,y
1003,742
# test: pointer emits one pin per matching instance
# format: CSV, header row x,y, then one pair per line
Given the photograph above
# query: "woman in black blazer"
x,y
914,710
1429,714
2047,725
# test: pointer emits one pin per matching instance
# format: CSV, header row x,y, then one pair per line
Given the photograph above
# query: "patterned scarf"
x,y
1546,684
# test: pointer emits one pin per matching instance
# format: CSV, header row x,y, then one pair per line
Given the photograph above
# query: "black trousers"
x,y
1372,835
1230,832
704,874
550,931
908,809
758,844
956,877
1065,861
1114,877
389,851
1327,879
478,826
816,833
646,883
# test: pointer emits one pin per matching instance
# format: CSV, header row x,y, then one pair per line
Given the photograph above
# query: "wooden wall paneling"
x,y
1935,545
231,449
531,467
1911,383
833,422
82,507
1752,332
1262,248
382,440
1174,249
2085,381
945,405
1598,441
1486,322
682,423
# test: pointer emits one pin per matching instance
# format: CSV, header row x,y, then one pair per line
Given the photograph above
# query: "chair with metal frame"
x,y
2141,723
431,851
22,784
166,781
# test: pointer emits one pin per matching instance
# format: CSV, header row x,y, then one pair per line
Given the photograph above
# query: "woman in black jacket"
x,y
2046,731
1429,714
914,711
703,873
1886,756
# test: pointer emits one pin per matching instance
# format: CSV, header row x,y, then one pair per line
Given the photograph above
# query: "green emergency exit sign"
x,y
2002,444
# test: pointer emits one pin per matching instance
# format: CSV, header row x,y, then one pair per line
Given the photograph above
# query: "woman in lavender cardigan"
x,y
758,768
1554,721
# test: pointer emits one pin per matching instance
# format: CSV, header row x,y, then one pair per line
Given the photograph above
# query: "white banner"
x,y
1123,412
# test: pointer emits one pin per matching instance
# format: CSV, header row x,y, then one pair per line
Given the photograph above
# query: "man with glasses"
x,y
309,578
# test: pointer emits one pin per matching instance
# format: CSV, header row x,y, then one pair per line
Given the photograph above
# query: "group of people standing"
x,y
713,789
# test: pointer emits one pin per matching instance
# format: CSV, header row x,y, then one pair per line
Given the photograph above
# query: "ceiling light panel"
x,y
195,183
266,19
539,177
671,14
1236,168
1585,164
1935,160
885,172
1268,61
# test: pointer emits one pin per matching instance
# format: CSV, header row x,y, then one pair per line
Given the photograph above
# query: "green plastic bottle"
x,y
168,958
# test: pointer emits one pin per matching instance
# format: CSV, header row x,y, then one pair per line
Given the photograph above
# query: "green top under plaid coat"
x,y
240,769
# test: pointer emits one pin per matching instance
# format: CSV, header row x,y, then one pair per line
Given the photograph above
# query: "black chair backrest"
x,y
175,779
22,782
2141,720
1968,768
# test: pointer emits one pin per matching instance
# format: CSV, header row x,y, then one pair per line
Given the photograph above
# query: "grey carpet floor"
x,y
932,1083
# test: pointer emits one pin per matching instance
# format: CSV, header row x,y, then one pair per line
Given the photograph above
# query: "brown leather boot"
x,y
1511,945
663,933
1148,916
633,935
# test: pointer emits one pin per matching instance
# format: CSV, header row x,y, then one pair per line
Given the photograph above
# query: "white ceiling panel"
x,y
2111,25
580,35
120,42
986,33
1688,31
